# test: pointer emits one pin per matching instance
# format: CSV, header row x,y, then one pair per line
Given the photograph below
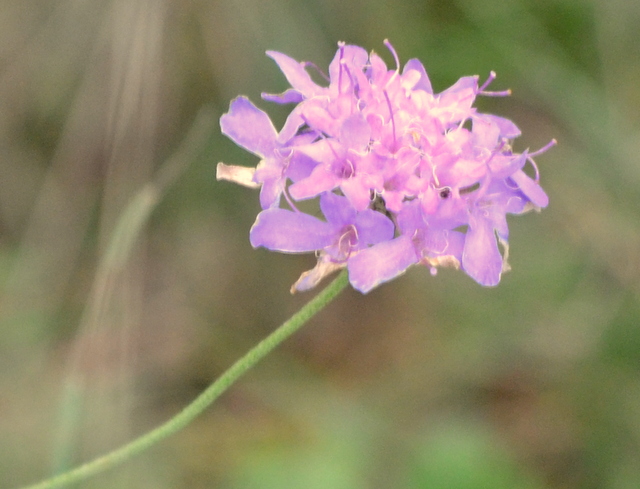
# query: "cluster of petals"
x,y
403,175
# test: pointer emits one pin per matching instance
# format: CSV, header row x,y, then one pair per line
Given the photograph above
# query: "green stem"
x,y
204,400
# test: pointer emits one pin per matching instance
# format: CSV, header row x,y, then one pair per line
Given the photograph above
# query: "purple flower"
x,y
404,176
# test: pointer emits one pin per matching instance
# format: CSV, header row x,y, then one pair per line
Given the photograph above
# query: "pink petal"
x,y
295,74
290,232
381,263
531,189
249,127
481,258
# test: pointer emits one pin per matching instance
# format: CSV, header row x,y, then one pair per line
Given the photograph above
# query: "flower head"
x,y
404,176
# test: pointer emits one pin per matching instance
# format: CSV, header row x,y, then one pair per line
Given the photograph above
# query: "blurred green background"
x,y
427,382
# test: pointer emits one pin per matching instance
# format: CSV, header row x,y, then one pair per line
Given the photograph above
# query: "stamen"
x,y
350,170
481,90
393,53
434,176
355,232
503,93
546,147
535,167
492,76
331,147
348,240
353,86
288,199
393,122
341,47
309,64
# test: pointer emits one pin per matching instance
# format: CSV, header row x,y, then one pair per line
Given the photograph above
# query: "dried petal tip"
x,y
237,174
309,279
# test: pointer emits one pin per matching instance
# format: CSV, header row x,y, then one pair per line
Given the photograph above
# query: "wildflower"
x,y
404,176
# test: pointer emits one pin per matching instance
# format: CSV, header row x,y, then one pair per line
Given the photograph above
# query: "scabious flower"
x,y
403,176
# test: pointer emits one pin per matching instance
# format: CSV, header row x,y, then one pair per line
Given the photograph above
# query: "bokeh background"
x,y
107,329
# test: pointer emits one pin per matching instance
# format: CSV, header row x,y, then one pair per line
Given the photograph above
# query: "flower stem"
x,y
204,400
